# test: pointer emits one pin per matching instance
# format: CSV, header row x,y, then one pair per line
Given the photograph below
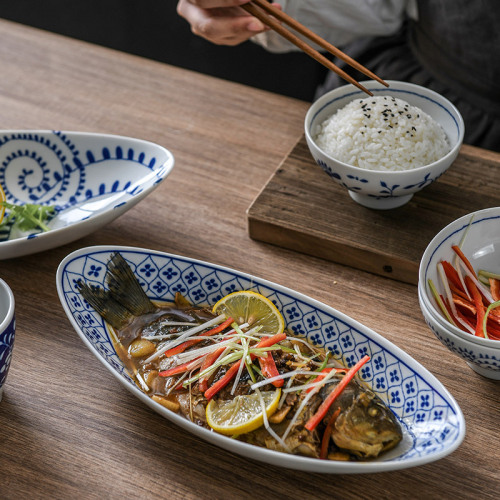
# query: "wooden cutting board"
x,y
302,209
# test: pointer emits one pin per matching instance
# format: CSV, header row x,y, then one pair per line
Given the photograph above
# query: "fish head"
x,y
367,427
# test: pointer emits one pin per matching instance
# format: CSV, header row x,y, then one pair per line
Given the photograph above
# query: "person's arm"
x,y
221,22
339,21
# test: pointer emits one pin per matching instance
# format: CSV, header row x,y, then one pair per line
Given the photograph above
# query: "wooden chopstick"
x,y
260,9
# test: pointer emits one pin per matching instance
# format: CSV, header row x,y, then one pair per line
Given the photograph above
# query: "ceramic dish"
x,y
432,422
91,179
481,246
385,189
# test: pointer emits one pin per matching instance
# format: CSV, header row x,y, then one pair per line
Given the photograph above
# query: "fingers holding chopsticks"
x,y
221,22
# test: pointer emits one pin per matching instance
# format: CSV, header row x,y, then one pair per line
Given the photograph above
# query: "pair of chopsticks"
x,y
271,16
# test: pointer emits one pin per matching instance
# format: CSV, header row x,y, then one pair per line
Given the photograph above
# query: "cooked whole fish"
x,y
167,348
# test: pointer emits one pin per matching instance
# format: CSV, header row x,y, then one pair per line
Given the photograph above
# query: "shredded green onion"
x,y
441,305
28,216
493,305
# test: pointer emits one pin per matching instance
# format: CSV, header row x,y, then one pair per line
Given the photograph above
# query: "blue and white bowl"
x,y
90,178
385,189
7,331
481,245
433,424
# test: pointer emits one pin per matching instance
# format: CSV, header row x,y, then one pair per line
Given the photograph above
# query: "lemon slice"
x,y
252,308
242,414
2,198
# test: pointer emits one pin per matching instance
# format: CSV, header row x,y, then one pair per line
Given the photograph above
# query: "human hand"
x,y
221,22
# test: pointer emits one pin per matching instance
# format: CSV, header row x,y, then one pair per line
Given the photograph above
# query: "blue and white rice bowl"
x,y
385,189
90,178
481,246
433,424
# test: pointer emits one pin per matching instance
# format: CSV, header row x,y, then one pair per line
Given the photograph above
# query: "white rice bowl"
x,y
382,133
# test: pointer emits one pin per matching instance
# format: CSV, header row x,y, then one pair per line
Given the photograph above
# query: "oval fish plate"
x,y
433,424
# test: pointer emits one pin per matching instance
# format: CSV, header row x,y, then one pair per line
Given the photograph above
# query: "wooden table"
x,y
67,428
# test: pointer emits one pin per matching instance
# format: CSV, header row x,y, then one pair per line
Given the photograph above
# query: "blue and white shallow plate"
x,y
432,422
90,178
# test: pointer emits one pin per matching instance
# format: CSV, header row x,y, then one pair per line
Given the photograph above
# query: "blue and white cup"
x,y
7,331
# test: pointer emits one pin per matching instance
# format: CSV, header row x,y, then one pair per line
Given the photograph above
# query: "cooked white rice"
x,y
382,133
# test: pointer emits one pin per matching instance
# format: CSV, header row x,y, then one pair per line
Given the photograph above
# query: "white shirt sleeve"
x,y
340,21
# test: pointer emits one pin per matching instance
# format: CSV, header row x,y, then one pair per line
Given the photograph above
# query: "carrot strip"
x,y
185,367
323,409
327,434
452,275
456,317
323,374
209,361
233,370
464,259
495,288
182,347
478,301
269,370
465,304
458,292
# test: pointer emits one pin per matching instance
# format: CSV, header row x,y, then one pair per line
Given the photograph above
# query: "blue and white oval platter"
x,y
91,179
432,422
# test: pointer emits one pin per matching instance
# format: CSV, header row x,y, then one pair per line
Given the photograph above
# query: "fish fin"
x,y
125,288
111,311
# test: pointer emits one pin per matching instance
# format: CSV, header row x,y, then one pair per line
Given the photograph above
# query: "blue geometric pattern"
x,y
6,346
431,419
67,169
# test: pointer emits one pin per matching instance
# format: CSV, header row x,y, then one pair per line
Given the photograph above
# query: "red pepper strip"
x,y
268,368
323,374
323,409
458,292
327,434
495,289
185,367
478,301
452,275
464,259
454,317
233,370
209,361
182,347
465,304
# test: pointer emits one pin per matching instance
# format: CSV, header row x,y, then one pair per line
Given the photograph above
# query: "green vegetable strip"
x,y
441,305
493,305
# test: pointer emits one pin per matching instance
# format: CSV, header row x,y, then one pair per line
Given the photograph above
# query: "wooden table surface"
x,y
68,429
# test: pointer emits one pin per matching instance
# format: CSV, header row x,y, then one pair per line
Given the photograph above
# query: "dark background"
x,y
152,29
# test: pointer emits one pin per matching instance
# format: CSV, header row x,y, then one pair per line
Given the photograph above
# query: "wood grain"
x,y
68,429
301,208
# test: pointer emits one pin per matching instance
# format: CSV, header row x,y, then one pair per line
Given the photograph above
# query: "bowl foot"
x,y
380,203
485,372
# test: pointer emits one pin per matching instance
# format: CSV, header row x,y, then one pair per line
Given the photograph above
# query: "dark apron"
x,y
454,49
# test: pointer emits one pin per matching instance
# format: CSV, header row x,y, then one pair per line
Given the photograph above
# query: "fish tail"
x,y
113,312
125,288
